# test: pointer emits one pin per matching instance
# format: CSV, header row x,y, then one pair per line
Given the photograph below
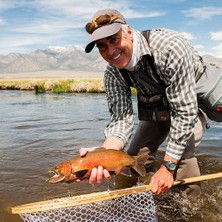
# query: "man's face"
x,y
117,49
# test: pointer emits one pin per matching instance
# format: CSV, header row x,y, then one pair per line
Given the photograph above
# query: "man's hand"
x,y
97,174
84,151
161,181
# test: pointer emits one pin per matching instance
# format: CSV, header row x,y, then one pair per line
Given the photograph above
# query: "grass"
x,y
54,85
77,85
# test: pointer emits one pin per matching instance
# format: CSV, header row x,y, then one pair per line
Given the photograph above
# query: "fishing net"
x,y
138,207
134,204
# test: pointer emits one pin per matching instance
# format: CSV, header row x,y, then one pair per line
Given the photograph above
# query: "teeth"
x,y
116,57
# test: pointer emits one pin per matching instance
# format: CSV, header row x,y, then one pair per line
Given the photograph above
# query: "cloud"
x,y
2,21
40,22
28,25
216,35
187,35
6,5
199,47
46,26
82,10
203,13
61,15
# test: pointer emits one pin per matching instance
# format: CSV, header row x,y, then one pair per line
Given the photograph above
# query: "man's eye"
x,y
114,40
99,46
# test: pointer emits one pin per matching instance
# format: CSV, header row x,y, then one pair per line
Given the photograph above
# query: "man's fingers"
x,y
106,174
83,152
154,186
97,175
158,186
93,176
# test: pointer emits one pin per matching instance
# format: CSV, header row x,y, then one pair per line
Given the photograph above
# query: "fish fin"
x,y
140,162
81,173
150,160
126,172
112,172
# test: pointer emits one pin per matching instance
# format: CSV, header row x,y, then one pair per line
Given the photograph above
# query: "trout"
x,y
112,160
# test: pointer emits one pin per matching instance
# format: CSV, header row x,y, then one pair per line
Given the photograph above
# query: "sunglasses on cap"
x,y
101,21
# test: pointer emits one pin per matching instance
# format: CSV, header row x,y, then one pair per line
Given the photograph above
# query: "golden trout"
x,y
111,160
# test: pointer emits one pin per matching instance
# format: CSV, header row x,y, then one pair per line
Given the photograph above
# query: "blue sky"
x,y
28,25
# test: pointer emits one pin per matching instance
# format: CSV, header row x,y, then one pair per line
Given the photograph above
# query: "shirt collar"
x,y
140,48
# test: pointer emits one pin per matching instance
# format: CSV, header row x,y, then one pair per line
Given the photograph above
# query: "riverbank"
x,y
88,85
53,81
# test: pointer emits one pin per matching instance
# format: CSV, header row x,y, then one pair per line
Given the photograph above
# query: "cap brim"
x,y
100,33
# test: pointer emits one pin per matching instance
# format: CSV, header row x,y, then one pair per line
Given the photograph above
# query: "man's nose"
x,y
110,49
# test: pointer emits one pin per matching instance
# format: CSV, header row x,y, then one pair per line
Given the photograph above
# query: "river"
x,y
39,131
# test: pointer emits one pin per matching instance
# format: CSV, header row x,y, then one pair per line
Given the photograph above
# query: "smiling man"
x,y
162,66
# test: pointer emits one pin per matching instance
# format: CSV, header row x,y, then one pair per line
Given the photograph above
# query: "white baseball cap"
x,y
105,29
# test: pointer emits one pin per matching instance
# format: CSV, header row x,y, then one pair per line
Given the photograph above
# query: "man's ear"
x,y
130,32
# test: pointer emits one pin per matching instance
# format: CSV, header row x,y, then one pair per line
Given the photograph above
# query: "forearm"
x,y
180,133
120,129
113,143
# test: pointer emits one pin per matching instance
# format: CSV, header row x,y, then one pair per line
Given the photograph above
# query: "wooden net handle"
x,y
98,196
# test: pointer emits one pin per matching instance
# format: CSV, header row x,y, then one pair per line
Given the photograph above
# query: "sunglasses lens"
x,y
100,21
104,19
89,27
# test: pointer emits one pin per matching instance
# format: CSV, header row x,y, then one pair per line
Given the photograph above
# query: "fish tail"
x,y
140,162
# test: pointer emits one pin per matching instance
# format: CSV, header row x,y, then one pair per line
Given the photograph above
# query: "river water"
x,y
39,131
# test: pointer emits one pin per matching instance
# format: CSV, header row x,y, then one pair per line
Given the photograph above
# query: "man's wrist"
x,y
113,143
170,166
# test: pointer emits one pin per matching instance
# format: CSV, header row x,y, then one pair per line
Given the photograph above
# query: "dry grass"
x,y
75,85
90,85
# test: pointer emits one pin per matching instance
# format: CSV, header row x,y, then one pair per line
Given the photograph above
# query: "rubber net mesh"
x,y
138,207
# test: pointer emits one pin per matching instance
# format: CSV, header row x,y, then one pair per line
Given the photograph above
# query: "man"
x,y
172,112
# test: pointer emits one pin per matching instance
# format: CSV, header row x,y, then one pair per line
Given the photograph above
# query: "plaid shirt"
x,y
177,64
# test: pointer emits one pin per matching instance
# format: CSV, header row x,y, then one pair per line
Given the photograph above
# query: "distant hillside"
x,y
213,60
71,58
58,58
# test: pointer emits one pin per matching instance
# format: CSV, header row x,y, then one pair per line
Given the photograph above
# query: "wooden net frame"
x,y
66,202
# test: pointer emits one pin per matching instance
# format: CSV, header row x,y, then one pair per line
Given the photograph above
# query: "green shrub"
x,y
39,88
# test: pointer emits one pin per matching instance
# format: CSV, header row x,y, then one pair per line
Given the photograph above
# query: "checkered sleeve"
x,y
119,104
178,70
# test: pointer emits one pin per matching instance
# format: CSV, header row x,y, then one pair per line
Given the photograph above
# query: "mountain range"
x,y
59,58
52,58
